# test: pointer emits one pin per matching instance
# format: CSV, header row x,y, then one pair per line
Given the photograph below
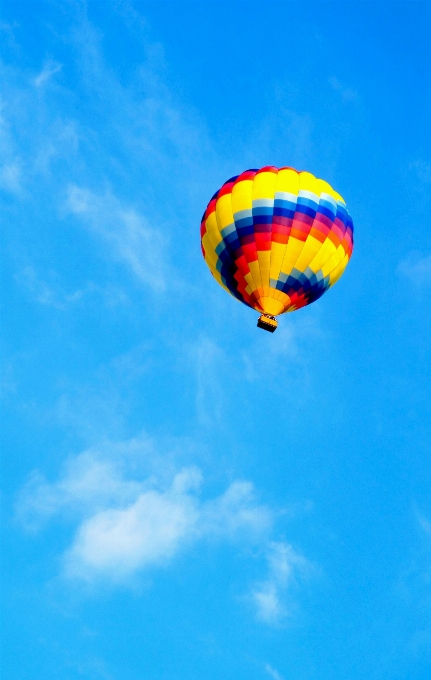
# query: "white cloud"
x,y
11,177
273,672
39,290
417,268
422,169
49,69
285,564
347,93
118,542
11,169
134,363
127,521
128,233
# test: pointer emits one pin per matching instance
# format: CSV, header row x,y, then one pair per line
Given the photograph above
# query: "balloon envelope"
x,y
276,239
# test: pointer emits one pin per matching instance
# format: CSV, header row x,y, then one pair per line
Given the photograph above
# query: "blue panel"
x,y
305,210
245,231
285,205
284,212
262,210
262,219
244,222
325,211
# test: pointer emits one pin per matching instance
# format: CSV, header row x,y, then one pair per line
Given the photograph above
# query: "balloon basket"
x,y
267,322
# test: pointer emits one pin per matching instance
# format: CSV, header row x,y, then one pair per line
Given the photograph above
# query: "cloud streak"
x,y
285,566
49,70
417,268
128,234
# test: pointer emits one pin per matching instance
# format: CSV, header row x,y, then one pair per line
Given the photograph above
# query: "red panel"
x,y
335,229
248,174
242,284
226,189
210,208
242,265
250,252
263,241
281,228
340,224
280,238
268,168
323,219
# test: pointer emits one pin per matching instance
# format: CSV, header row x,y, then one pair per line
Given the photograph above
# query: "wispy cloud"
x,y
39,290
287,351
50,69
285,565
131,239
417,268
206,358
10,177
348,94
272,672
135,134
422,169
51,293
127,522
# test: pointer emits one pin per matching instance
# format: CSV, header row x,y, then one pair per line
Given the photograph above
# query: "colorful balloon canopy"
x,y
276,239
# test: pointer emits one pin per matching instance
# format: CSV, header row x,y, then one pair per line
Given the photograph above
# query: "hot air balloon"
x,y
276,239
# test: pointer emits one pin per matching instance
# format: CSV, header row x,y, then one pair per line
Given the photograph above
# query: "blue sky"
x,y
185,496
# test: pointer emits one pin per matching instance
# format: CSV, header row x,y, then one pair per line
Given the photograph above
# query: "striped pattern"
x,y
276,239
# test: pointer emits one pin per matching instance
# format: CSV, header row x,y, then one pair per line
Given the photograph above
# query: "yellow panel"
x,y
264,259
275,294
285,299
210,253
311,248
224,211
324,188
335,260
288,181
281,297
293,249
277,255
251,284
338,271
308,182
264,185
242,195
212,230
271,306
255,272
325,253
